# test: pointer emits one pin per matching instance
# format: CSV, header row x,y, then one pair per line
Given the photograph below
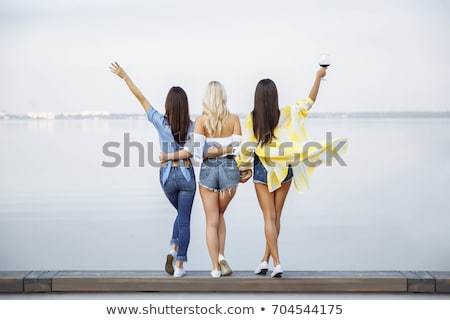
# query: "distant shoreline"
x,y
321,115
398,114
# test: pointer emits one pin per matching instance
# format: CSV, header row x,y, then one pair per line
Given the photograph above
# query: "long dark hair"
x,y
266,111
177,114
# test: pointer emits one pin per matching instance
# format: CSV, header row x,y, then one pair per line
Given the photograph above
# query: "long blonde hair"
x,y
215,109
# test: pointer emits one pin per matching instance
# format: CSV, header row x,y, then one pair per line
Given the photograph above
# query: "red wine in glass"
x,y
324,61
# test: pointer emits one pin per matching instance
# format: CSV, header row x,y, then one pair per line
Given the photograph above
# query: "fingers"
x,y
116,65
163,157
321,72
245,176
115,68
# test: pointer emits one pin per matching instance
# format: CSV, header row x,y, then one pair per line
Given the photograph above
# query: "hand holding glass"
x,y
324,61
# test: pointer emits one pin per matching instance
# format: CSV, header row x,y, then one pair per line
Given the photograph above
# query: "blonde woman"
x,y
217,133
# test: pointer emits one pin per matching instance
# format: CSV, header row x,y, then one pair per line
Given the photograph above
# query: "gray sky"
x,y
386,55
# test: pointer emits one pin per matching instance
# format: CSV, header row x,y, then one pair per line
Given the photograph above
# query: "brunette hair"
x,y
266,111
177,114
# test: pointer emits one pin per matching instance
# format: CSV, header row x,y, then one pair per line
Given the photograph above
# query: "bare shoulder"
x,y
200,119
236,123
234,118
199,125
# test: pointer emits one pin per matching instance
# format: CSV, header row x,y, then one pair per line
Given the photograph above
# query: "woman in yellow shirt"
x,y
278,147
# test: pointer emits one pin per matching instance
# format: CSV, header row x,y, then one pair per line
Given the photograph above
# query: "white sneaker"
x,y
224,266
216,273
277,271
262,268
179,272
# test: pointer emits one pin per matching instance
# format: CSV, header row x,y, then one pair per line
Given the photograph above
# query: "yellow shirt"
x,y
291,146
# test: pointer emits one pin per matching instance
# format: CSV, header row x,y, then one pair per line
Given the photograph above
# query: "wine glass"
x,y
324,61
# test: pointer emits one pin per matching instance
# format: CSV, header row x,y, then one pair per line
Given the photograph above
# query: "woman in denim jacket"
x,y
177,177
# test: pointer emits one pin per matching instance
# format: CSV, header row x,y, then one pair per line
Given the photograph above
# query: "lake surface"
x,y
60,209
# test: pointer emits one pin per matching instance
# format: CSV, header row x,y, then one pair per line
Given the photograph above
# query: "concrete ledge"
x,y
239,281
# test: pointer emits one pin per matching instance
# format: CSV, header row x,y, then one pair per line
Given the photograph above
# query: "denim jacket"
x,y
167,142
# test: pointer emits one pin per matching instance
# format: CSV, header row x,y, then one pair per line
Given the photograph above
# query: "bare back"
x,y
231,125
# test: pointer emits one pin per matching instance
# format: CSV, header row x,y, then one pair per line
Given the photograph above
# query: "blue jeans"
x,y
218,174
181,195
260,173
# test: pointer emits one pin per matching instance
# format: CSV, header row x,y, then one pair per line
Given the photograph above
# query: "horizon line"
x,y
50,115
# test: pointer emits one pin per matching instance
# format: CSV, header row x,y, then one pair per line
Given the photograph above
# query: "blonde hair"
x,y
215,109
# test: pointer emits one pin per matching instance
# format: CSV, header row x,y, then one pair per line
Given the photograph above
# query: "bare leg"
x,y
271,204
224,200
210,200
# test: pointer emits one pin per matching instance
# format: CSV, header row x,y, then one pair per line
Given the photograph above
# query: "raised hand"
x,y
117,69
322,72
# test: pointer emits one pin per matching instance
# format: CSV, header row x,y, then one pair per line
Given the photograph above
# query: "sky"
x,y
385,55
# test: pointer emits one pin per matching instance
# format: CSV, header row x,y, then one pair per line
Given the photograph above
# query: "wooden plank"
x,y
39,281
442,281
420,281
239,281
12,281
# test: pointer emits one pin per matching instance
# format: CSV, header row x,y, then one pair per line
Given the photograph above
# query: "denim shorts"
x,y
260,173
218,174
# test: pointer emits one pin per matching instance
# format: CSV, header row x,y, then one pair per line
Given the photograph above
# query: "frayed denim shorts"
x,y
218,174
260,173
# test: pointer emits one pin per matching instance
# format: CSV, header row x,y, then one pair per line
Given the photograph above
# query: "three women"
x,y
277,157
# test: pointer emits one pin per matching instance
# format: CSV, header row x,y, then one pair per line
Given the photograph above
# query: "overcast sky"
x,y
386,55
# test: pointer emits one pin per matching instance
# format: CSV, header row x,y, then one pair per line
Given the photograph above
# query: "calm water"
x,y
388,209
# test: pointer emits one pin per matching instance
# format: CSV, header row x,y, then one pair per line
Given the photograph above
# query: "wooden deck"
x,y
433,282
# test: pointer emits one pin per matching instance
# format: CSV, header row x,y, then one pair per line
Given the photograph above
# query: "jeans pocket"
x,y
232,172
260,172
205,170
190,185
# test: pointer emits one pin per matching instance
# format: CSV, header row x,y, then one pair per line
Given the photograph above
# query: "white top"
x,y
200,144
